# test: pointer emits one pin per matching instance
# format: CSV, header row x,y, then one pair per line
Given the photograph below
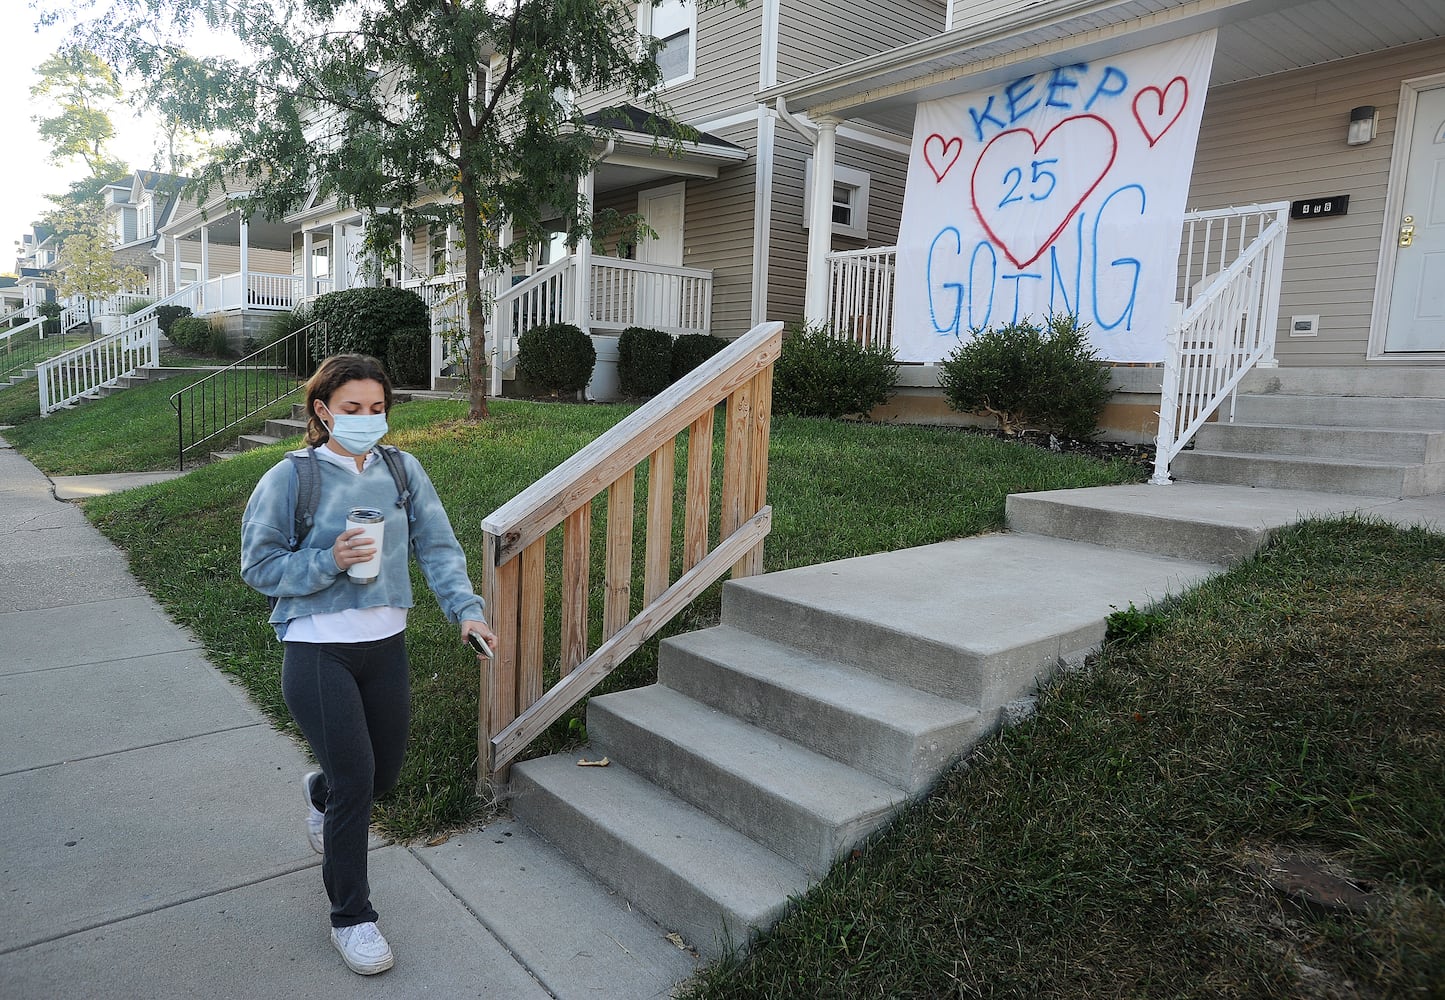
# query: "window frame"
x,y
858,182
686,23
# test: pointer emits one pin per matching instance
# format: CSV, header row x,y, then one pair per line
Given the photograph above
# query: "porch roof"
x,y
1256,38
637,157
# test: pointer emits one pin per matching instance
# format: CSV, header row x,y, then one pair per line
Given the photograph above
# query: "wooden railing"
x,y
513,709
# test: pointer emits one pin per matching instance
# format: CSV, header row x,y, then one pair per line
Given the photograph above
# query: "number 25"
x,y
1038,175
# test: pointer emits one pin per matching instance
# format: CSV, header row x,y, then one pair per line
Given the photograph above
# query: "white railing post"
x,y
1168,403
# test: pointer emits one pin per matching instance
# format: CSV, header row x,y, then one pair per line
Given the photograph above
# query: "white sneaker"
x,y
315,818
362,948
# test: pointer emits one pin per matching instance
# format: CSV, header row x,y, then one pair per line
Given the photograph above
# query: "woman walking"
x,y
340,605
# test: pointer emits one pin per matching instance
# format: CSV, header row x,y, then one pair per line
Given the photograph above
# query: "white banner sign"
x,y
1061,192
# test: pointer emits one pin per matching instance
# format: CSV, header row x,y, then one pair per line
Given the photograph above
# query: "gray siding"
x,y
729,43
815,35
1282,138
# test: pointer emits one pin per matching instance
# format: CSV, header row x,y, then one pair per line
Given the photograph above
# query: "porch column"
x,y
176,264
408,247
582,309
820,233
308,269
338,256
205,274
496,326
450,251
245,262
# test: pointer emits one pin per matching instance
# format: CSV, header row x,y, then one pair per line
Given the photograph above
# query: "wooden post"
x,y
576,539
699,491
529,631
617,596
660,474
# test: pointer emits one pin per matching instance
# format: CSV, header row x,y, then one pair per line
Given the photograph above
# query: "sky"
x,y
26,176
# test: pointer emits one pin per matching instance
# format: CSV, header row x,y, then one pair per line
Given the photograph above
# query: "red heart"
x,y
1028,199
948,154
1157,115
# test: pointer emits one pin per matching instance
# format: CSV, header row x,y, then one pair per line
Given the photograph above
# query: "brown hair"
x,y
331,375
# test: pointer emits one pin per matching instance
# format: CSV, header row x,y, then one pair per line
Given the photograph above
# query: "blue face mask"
x,y
357,432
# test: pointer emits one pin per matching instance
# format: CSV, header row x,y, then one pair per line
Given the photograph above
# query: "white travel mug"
x,y
373,524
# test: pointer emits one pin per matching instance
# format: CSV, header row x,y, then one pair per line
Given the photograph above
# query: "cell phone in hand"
x,y
479,644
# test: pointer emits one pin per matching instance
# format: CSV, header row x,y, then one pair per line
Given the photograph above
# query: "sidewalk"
x,y
154,841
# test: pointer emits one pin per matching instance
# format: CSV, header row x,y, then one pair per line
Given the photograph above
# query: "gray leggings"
x,y
353,703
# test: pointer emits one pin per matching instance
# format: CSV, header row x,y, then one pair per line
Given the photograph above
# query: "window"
x,y
850,200
674,22
190,275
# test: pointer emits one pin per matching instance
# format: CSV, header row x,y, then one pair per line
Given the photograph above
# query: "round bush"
x,y
1027,376
819,375
644,361
409,355
167,315
190,333
557,357
363,320
691,350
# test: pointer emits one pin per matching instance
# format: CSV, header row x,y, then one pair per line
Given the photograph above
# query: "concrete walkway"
x,y
154,838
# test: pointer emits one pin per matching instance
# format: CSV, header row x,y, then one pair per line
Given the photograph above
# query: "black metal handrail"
x,y
215,404
31,348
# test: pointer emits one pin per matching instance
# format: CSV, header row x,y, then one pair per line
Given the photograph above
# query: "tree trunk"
x,y
476,323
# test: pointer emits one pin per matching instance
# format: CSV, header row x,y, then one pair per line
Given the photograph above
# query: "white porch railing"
x,y
66,377
1230,269
676,300
860,285
549,296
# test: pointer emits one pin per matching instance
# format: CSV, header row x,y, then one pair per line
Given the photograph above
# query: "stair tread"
x,y
866,695
1327,428
819,785
726,866
1302,459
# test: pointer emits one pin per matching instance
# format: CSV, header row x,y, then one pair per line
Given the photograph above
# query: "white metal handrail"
x,y
1227,320
67,377
860,300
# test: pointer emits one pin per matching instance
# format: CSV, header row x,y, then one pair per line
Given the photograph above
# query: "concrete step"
x,y
248,441
1356,476
977,620
686,870
284,428
1376,380
1341,411
1199,521
799,804
897,734
1370,443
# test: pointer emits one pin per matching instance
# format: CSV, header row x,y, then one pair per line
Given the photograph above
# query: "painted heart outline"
x,y
949,150
1156,112
1025,190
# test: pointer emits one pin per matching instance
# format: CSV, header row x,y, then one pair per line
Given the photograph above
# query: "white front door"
x,y
1417,296
659,303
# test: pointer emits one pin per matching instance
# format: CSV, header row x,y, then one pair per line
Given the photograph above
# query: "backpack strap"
x,y
391,455
308,495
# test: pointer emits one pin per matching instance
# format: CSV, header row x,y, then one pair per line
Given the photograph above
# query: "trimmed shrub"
x,y
50,312
167,315
557,357
691,350
819,375
363,320
644,361
1027,376
408,356
190,333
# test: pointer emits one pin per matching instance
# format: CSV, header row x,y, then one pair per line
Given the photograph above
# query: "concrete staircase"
x,y
828,698
1363,431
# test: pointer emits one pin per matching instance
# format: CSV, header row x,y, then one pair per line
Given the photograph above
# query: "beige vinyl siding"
x,y
819,34
1282,138
725,73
